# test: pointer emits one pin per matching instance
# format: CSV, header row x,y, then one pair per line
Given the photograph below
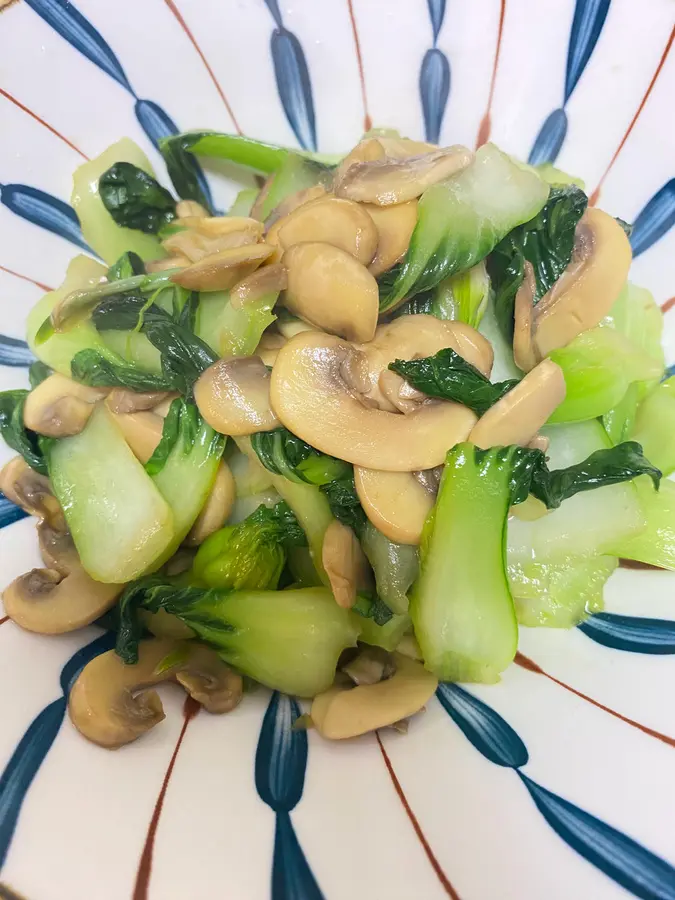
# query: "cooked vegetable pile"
x,y
341,440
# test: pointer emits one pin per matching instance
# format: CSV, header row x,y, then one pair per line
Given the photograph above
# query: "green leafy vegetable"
x,y
288,640
655,545
372,607
135,199
546,242
449,376
244,151
128,265
655,426
395,567
282,453
15,433
462,297
252,554
37,372
461,220
183,170
181,423
345,504
612,466
91,368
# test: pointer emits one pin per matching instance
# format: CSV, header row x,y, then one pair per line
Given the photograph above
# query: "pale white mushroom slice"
x,y
345,712
294,201
270,344
520,413
190,209
61,598
269,280
109,705
233,396
415,337
330,289
59,406
344,562
31,491
121,400
342,223
395,225
582,296
311,397
221,271
395,502
523,311
217,508
367,150
386,181
142,431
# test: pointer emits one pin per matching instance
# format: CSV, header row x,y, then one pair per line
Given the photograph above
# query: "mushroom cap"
x,y
345,563
395,225
395,502
581,297
142,431
389,181
59,406
344,712
329,220
414,337
233,396
30,491
331,290
122,400
47,601
108,703
217,508
221,271
517,416
310,396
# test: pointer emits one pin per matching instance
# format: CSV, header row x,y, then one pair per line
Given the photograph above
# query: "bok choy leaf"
x,y
135,199
14,432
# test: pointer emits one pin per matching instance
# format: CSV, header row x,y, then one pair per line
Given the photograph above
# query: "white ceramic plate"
x,y
556,783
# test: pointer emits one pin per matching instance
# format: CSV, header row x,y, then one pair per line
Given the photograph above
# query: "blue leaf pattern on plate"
x,y
280,763
294,86
34,746
657,217
550,139
436,14
589,18
44,210
434,91
624,860
490,734
637,634
14,352
273,7
9,512
292,877
69,22
281,757
154,121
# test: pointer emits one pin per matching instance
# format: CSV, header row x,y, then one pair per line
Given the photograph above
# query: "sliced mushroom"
x,y
404,148
582,296
342,223
233,396
61,598
386,181
162,265
345,712
30,491
414,337
294,201
395,225
216,509
190,209
59,406
345,563
108,703
395,502
367,150
370,666
399,392
330,289
270,344
289,326
311,397
220,271
523,311
516,418
219,226
540,442
121,400
265,281
206,236
142,431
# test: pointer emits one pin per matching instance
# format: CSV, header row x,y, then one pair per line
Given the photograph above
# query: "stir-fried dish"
x,y
339,441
